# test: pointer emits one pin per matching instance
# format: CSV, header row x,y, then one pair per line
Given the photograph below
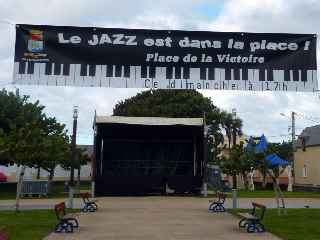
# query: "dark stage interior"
x,y
145,157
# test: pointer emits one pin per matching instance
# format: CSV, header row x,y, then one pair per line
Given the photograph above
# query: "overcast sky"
x,y
260,111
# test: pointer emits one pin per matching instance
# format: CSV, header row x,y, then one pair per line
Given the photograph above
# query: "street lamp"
x,y
73,153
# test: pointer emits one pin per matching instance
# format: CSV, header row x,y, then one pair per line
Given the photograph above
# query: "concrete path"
x,y
242,202
146,218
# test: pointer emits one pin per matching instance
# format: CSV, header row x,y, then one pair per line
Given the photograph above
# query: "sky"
x,y
260,111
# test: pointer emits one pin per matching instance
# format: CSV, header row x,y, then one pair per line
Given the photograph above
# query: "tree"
x,y
168,103
81,158
25,133
56,148
239,162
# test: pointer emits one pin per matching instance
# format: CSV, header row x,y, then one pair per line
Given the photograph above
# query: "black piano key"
x,y
66,69
211,74
186,73
109,72
203,73
57,69
286,75
144,72
92,70
227,74
304,76
295,75
48,69
118,71
22,67
270,75
169,73
177,72
30,69
262,75
126,71
236,73
152,72
244,74
83,70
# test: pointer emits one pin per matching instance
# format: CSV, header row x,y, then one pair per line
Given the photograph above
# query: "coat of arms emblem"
x,y
35,41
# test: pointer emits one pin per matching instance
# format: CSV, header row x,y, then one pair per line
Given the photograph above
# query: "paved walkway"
x,y
146,218
242,202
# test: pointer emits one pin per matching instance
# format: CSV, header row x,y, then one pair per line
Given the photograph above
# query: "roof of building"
x,y
155,121
311,136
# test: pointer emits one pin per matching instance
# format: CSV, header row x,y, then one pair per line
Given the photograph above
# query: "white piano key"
x,y
256,75
88,81
43,79
118,82
132,80
275,75
34,78
97,77
104,80
281,75
60,79
222,74
161,77
291,75
25,77
194,74
250,74
78,79
16,75
139,81
52,78
70,79
314,76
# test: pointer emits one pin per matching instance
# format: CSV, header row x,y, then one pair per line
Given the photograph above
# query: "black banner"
x,y
87,56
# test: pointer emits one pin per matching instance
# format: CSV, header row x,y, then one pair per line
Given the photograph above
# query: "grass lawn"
x,y
27,225
270,194
298,224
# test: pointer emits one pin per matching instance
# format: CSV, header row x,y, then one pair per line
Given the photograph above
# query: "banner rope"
x,y
3,21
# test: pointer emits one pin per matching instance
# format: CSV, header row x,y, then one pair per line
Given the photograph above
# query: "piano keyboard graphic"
x,y
121,76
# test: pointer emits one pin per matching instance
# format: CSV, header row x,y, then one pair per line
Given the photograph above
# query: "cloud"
x,y
260,111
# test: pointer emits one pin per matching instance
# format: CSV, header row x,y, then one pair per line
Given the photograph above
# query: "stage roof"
x,y
152,121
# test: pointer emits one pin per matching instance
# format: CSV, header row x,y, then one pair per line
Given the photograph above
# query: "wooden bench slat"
x,y
248,216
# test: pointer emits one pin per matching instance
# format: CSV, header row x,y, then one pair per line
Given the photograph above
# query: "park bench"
x,y
67,222
252,221
217,205
90,205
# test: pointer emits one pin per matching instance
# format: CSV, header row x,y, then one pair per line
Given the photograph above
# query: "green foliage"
x,y
296,225
238,162
27,136
81,158
167,103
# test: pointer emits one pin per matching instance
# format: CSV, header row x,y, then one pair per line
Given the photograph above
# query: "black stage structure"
x,y
147,155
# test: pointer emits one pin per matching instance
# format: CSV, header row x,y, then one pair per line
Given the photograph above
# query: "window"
x,y
304,171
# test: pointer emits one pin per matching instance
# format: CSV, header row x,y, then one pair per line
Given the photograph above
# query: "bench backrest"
x,y
60,210
258,213
85,197
221,197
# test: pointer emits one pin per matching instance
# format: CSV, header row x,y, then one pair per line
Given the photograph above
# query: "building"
x,y
307,159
